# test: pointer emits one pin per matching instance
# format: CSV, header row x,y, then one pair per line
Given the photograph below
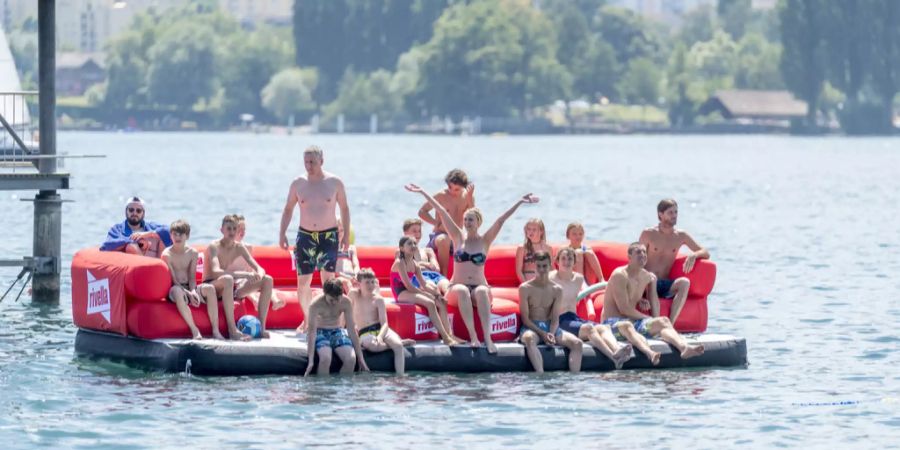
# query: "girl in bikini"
x,y
469,284
586,262
407,288
535,241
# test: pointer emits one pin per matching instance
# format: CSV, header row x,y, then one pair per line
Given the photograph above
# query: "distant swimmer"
x,y
319,194
327,336
541,303
586,261
456,198
425,257
233,285
136,235
535,241
600,336
626,288
663,242
370,317
468,284
185,293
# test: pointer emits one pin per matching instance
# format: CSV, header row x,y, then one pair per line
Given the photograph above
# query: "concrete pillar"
x,y
47,244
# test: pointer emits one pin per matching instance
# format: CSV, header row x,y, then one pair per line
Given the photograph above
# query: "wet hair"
x,y
366,274
314,150
664,205
457,177
229,218
409,223
333,288
574,226
477,212
529,247
181,227
565,250
541,256
633,246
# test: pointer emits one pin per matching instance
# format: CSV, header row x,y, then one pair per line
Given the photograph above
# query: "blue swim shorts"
x,y
332,337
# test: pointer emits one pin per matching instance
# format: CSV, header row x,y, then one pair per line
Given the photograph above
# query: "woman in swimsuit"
x,y
535,241
405,277
584,255
469,284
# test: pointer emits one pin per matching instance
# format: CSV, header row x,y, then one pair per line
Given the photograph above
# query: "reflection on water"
x,y
803,232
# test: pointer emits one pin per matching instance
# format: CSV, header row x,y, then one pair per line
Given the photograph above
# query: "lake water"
x,y
804,231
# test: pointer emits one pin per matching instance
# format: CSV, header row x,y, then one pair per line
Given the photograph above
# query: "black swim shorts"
x,y
316,250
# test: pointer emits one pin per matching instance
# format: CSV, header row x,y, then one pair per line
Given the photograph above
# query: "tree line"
x,y
413,59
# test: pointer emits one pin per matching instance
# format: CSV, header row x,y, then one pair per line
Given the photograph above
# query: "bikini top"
x,y
529,257
475,258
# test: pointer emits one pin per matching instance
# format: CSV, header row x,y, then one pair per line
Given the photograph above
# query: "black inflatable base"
x,y
286,354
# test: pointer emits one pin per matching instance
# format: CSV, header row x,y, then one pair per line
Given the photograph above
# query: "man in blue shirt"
x,y
135,235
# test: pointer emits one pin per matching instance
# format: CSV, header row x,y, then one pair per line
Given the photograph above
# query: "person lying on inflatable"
x,y
136,235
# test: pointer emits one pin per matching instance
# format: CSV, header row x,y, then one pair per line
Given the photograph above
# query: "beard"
x,y
134,222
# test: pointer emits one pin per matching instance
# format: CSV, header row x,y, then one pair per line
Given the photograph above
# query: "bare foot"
x,y
277,303
622,355
302,328
408,342
236,335
654,358
491,348
474,343
265,334
217,335
692,351
196,335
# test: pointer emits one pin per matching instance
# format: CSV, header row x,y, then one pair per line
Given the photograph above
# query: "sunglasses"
x,y
135,210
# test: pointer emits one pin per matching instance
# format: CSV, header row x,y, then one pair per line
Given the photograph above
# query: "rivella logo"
x,y
199,269
424,324
503,324
98,296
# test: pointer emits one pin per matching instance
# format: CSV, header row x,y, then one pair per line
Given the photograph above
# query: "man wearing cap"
x,y
135,235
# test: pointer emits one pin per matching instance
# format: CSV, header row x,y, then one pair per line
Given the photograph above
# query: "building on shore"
x,y
752,108
76,72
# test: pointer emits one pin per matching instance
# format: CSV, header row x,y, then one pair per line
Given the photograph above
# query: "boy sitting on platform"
x,y
326,336
182,262
540,304
371,319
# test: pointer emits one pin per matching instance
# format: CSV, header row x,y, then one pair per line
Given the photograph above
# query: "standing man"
x,y
135,235
318,194
457,198
663,242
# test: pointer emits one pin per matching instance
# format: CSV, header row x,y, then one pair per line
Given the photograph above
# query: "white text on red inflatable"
x,y
98,296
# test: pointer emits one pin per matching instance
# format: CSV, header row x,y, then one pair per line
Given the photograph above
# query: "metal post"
x,y
47,204
47,82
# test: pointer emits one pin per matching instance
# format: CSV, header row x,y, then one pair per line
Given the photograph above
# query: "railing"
x,y
18,136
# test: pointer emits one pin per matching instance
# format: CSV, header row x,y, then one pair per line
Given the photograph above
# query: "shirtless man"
x,y
540,303
426,258
371,318
627,285
458,197
663,242
233,285
319,194
600,336
326,336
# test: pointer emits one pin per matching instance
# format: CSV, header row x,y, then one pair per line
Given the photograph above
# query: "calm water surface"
x,y
804,231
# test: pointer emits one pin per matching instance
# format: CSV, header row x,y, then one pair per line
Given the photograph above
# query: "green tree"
x,y
757,63
803,57
682,108
126,69
182,66
735,15
289,92
699,25
628,33
642,82
886,64
360,96
492,58
248,66
362,35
